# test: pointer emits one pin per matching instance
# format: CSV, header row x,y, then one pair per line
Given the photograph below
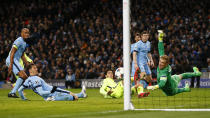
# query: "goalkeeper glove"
x,y
160,35
153,87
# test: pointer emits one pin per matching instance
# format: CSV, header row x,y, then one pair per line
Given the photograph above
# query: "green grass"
x,y
96,106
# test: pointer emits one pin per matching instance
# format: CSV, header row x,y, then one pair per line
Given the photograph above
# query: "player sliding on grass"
x,y
49,93
111,89
166,82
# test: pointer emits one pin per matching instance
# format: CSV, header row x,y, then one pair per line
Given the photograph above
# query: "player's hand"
x,y
76,97
10,70
109,92
151,63
142,75
160,35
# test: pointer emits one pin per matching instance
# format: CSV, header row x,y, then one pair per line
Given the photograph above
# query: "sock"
x,y
79,95
140,89
17,85
133,90
180,90
188,75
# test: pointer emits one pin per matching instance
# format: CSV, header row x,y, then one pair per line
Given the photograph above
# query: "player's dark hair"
x,y
28,68
145,32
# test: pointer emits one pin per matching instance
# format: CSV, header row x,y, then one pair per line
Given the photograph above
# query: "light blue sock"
x,y
79,95
17,85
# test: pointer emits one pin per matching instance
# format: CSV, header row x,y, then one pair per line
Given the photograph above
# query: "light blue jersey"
x,y
142,50
132,66
21,45
39,86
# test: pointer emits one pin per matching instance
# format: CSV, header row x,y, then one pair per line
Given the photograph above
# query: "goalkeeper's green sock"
x,y
140,89
185,89
188,75
194,74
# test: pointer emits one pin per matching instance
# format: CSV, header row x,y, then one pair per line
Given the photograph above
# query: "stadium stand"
x,y
86,36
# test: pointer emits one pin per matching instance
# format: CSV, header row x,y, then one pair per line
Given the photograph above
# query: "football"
x,y
119,73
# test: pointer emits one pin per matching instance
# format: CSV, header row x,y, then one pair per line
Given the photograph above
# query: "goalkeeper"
x,y
111,89
166,82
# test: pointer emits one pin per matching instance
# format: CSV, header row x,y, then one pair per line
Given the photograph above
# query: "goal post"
x,y
126,54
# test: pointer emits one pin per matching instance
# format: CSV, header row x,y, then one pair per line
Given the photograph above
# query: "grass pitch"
x,y
96,106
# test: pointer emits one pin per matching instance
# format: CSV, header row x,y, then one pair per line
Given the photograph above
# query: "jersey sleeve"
x,y
163,80
161,48
136,47
27,58
103,87
17,43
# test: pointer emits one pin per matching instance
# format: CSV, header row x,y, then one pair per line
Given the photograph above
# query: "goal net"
x,y
198,99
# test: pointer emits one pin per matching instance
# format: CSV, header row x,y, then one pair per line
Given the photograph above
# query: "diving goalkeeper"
x,y
166,82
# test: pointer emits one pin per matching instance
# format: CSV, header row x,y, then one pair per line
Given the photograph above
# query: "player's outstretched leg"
x,y
185,89
17,85
83,93
193,74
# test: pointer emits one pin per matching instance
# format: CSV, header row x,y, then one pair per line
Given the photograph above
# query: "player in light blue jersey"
x,y
140,57
49,93
13,60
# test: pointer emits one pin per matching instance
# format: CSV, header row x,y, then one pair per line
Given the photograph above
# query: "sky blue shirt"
x,y
38,85
142,50
21,47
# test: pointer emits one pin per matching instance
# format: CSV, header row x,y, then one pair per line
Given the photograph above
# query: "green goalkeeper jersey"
x,y
164,79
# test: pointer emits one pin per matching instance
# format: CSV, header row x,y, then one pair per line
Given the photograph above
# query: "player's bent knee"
x,y
22,75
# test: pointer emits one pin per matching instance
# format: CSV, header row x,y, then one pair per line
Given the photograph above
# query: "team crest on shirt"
x,y
36,82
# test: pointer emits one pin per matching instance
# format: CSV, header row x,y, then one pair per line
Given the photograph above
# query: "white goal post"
x,y
126,63
126,54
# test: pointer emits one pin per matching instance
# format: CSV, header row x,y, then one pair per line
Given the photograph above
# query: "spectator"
x,y
70,79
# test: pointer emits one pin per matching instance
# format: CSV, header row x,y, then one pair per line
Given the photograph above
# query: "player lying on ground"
x,y
166,82
49,93
111,89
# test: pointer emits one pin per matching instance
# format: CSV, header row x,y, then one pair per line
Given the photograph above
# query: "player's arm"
x,y
20,91
103,91
12,54
135,59
23,57
160,43
161,84
151,62
27,58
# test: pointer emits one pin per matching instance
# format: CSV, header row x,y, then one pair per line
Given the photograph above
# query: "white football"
x,y
119,73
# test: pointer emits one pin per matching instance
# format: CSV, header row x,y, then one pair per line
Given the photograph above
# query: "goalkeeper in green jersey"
x,y
166,82
111,89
